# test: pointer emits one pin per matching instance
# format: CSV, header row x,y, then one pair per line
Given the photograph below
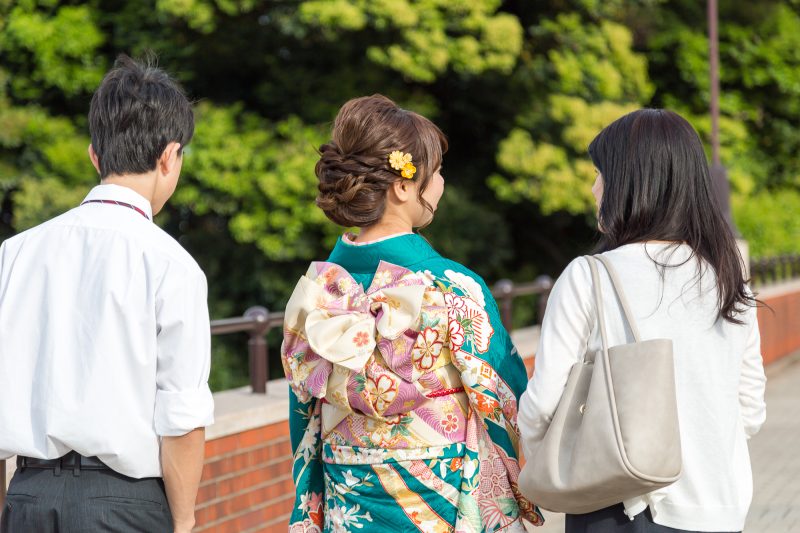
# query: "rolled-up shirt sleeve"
x,y
183,398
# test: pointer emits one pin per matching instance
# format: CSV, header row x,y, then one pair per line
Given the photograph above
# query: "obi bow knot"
x,y
340,320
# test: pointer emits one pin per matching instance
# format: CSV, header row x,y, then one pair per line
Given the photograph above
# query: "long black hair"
x,y
657,187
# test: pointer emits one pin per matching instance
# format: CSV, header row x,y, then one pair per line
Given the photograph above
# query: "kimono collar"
x,y
403,250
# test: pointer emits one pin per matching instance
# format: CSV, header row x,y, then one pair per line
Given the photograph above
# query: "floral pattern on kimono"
x,y
402,417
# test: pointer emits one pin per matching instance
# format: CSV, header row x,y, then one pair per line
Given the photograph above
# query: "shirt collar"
x,y
121,194
402,250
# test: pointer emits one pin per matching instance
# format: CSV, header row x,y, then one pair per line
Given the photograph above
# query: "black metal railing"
x,y
774,269
505,291
256,322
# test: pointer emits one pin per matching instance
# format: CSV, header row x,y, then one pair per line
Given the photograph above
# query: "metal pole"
x,y
713,49
719,176
257,349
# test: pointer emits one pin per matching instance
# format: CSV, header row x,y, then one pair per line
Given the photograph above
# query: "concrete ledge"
x,y
777,289
239,410
526,340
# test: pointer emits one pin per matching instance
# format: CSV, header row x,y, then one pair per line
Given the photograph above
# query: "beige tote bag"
x,y
614,435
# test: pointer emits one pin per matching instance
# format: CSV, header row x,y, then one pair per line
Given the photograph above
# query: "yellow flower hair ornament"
x,y
402,162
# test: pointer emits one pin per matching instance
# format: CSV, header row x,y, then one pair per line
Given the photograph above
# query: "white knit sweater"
x,y
719,376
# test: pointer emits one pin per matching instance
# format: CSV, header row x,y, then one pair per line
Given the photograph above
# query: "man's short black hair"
x,y
135,113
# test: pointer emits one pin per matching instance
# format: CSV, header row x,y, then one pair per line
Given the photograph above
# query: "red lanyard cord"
x,y
115,202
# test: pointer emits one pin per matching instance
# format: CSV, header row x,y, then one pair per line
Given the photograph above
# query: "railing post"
x,y
761,272
505,287
782,270
257,349
773,267
546,283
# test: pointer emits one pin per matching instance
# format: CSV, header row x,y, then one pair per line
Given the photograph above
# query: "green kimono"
x,y
404,388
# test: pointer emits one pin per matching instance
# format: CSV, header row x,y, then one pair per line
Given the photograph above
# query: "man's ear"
x,y
403,190
93,157
169,158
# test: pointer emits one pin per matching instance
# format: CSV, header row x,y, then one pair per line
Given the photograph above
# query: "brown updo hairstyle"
x,y
353,168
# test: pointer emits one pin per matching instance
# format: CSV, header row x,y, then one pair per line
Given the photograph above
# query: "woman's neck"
x,y
384,228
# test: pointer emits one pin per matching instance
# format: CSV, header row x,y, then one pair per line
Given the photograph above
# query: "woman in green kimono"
x,y
404,383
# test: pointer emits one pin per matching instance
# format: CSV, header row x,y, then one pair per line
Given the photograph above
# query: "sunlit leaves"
x,y
424,39
259,175
589,77
62,45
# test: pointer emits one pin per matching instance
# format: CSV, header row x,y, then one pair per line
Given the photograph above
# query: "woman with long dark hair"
x,y
663,231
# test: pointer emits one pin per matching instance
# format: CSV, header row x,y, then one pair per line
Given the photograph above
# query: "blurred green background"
x,y
520,87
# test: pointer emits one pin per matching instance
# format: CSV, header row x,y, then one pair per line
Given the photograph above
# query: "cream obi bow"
x,y
340,320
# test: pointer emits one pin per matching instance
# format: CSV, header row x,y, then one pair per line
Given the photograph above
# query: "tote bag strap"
x,y
598,303
598,298
626,308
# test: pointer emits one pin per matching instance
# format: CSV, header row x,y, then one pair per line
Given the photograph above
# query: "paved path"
x,y
775,453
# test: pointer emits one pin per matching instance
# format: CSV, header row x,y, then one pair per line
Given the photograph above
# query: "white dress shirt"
x,y
719,376
104,337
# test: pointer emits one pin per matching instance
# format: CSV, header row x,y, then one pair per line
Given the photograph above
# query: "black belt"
x,y
71,461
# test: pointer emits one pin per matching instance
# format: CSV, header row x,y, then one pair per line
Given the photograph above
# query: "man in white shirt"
x,y
104,335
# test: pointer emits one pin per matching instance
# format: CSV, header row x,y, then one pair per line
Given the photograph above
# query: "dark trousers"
x,y
614,520
69,501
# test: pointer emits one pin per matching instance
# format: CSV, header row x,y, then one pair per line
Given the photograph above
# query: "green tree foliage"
x,y
760,104
427,37
580,74
258,175
770,220
520,87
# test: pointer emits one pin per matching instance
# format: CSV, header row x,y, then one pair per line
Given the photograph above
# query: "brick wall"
x,y
779,325
247,484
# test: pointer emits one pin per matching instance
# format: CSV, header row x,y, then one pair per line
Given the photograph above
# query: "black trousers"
x,y
614,520
66,501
